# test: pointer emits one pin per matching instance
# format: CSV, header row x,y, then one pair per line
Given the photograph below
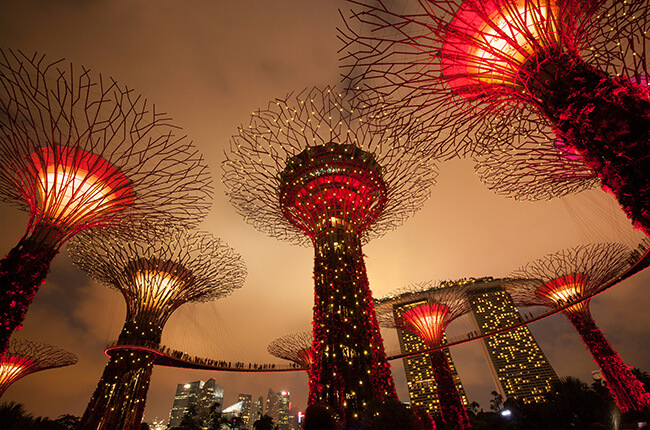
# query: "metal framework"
x,y
426,310
568,279
521,77
532,170
78,150
24,357
295,347
318,168
156,271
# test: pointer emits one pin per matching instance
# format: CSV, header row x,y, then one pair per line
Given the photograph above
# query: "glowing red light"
x,y
427,321
75,186
567,151
628,392
493,40
305,356
565,289
332,186
12,368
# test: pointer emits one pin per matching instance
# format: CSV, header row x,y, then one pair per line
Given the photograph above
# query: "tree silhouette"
x,y
496,403
393,414
190,420
13,416
264,423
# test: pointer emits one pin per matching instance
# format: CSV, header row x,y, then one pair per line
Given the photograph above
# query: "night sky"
x,y
209,64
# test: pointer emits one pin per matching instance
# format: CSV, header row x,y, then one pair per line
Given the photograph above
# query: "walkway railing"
x,y
168,357
642,263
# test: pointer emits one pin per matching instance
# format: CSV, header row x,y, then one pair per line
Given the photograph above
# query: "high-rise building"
x,y
201,395
272,405
186,396
257,409
419,375
283,410
296,418
246,409
277,407
210,397
519,367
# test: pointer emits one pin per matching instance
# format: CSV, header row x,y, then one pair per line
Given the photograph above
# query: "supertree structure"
x,y
295,347
426,310
156,271
316,168
24,357
77,151
567,280
563,77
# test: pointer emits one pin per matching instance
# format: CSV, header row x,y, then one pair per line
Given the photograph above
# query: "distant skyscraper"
x,y
519,367
200,394
211,394
272,405
257,409
186,395
246,410
283,410
295,418
419,375
277,407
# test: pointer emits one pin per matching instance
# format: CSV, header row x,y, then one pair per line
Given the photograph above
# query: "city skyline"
x,y
209,72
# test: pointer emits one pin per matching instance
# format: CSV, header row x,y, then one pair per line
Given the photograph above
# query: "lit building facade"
x,y
277,407
201,395
186,395
211,395
257,409
246,401
158,425
271,408
419,374
232,412
283,410
518,365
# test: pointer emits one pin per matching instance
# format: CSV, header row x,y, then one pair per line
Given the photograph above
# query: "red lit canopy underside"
x,y
305,357
488,42
71,187
13,368
427,321
564,289
332,186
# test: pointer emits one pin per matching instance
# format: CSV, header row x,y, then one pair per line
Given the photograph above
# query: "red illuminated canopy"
x,y
74,187
491,42
305,357
565,289
427,321
13,368
332,186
